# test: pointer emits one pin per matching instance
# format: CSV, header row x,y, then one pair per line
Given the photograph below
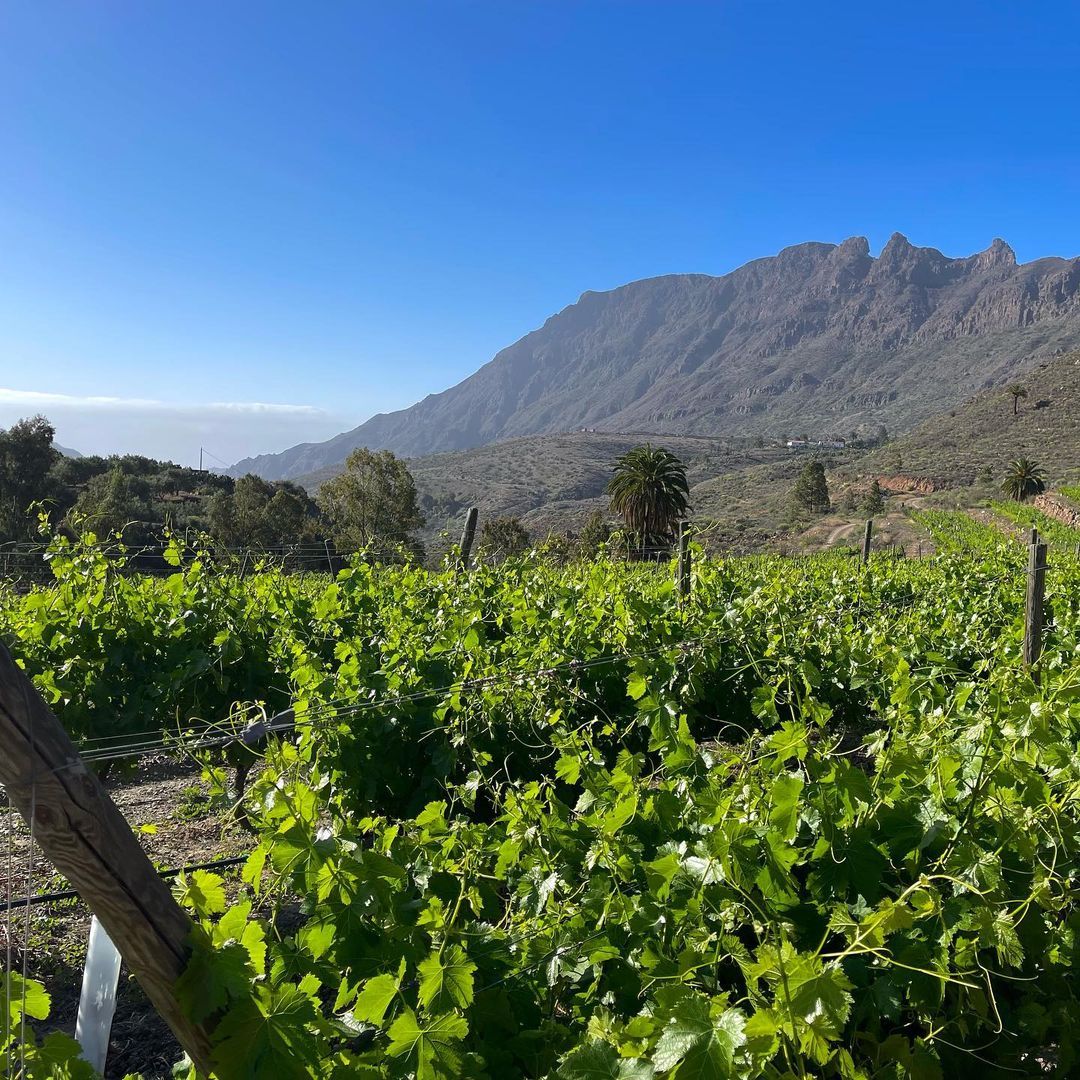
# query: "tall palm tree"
x,y
1023,478
1018,390
650,491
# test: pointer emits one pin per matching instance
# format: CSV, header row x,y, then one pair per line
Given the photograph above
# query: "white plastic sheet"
x,y
97,1002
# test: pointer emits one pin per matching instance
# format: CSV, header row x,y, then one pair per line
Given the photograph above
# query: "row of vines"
x,y
816,820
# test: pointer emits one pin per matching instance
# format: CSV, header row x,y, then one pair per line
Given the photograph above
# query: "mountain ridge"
x,y
817,337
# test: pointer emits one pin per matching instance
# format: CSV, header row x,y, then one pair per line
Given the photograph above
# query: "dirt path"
x,y
848,531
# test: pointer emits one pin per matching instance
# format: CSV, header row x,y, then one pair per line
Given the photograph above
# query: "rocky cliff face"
x,y
821,337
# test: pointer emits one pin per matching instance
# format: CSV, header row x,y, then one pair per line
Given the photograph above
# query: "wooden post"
x,y
88,840
468,534
329,556
1033,609
682,578
866,540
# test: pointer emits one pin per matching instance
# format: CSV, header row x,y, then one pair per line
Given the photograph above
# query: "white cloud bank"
x,y
228,430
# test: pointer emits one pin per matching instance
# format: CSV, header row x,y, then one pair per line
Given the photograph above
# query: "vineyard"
x,y
816,818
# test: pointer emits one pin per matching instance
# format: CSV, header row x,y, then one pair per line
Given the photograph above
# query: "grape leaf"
x,y
697,1046
446,980
433,1043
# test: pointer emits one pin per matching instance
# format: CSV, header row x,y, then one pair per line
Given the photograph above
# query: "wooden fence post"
x,y
682,572
869,531
1036,594
468,534
87,839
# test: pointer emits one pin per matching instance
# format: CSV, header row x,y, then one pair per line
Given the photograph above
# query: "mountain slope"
x,y
820,337
958,446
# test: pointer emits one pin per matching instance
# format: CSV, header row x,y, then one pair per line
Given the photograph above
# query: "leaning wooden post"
x,y
1033,609
869,531
468,534
682,578
88,840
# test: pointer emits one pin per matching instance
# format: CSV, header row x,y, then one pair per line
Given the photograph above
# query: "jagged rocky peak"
x,y
906,264
997,254
854,247
895,256
898,247
849,263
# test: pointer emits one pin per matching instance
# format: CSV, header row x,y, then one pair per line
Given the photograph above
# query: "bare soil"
x,y
51,938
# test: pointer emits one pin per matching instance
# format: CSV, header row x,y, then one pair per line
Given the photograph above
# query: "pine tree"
x,y
874,503
811,491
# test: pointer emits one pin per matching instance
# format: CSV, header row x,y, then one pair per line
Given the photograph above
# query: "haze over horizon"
x,y
265,235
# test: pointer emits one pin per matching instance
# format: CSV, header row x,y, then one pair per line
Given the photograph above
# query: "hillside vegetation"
x,y
553,482
957,447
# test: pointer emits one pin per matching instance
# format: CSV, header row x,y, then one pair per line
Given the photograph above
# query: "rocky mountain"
x,y
820,338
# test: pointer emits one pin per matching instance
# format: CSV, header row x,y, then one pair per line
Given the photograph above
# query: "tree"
x,y
502,537
1018,390
258,514
650,492
1023,478
811,491
26,456
115,503
874,503
595,534
372,502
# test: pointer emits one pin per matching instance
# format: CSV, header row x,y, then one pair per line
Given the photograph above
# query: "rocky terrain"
x,y
821,338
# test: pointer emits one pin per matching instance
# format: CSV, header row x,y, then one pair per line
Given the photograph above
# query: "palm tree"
x,y
1018,391
1023,478
649,490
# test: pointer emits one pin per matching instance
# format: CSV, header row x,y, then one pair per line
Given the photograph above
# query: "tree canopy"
x,y
1023,478
650,491
258,514
502,537
372,502
811,491
114,503
1018,391
26,456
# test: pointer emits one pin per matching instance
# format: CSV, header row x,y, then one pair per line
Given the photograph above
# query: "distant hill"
x,y
957,446
553,482
820,338
66,451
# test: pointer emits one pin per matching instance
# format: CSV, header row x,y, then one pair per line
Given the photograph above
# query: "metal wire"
x,y
176,871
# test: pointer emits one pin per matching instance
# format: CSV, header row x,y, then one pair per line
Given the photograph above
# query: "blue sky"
x,y
335,209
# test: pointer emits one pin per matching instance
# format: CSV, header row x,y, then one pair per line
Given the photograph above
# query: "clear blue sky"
x,y
348,205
